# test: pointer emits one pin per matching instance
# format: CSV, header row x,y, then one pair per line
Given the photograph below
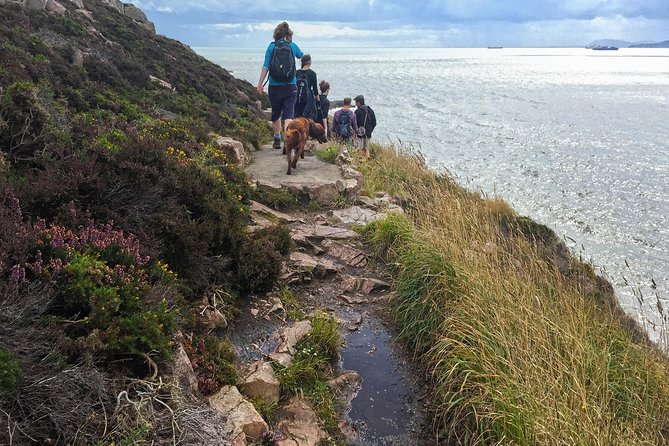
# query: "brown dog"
x,y
297,133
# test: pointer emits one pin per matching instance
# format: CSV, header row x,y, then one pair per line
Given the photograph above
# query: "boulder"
x,y
304,233
161,82
325,193
39,5
183,370
242,417
115,4
78,3
299,424
56,8
347,254
349,187
350,173
367,202
302,263
363,285
234,148
344,388
261,382
290,337
260,222
345,381
134,13
356,215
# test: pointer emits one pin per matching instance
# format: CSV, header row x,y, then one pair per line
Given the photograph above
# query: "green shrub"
x,y
10,374
258,264
24,120
112,141
280,234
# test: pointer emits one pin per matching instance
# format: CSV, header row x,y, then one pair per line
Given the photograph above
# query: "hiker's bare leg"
x,y
276,126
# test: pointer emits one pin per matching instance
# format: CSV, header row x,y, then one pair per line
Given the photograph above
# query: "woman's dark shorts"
x,y
283,98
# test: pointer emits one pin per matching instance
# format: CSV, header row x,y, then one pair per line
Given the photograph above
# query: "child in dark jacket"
x,y
324,108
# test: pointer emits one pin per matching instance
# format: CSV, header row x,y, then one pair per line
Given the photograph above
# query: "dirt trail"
x,y
333,270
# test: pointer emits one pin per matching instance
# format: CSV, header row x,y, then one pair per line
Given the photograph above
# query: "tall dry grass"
x,y
522,342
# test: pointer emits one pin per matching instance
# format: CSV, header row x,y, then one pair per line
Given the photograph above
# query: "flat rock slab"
x,y
279,216
313,179
303,233
348,254
357,215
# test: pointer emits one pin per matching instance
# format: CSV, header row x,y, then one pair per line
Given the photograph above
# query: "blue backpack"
x,y
344,125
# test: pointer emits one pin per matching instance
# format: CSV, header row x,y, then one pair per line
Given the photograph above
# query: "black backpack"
x,y
303,88
344,125
282,64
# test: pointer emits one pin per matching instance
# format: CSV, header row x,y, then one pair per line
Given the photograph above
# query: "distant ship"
x,y
605,48
495,47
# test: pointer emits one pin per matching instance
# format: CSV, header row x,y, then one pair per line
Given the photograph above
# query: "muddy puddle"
x,y
385,410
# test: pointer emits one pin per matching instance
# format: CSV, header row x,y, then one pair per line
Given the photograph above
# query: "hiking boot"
x,y
277,143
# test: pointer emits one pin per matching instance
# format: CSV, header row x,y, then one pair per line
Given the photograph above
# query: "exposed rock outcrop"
x,y
183,371
290,337
303,266
364,285
261,383
299,424
243,421
347,254
234,149
311,232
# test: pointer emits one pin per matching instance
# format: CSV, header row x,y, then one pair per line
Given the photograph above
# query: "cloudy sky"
x,y
410,23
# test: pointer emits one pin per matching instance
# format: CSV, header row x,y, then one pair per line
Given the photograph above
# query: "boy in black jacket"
x,y
366,120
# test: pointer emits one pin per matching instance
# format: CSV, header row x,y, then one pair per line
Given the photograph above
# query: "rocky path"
x,y
331,270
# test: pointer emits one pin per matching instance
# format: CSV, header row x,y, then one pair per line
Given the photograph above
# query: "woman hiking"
x,y
307,90
280,65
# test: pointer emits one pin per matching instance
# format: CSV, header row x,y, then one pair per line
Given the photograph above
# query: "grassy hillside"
x,y
118,214
524,344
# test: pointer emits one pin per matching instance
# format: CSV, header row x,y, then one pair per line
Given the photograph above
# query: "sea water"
x,y
576,139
